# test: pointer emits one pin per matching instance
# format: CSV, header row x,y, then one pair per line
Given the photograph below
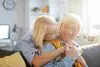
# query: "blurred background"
x,y
17,18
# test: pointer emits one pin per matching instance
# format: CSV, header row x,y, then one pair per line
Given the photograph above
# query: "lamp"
x,y
15,28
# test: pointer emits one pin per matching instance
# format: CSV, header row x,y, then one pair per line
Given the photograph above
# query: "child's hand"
x,y
71,51
66,49
71,44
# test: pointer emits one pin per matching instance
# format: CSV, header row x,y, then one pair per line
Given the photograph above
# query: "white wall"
x,y
75,6
15,16
35,3
27,17
38,3
58,8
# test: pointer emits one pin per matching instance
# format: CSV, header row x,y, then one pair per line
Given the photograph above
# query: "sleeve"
x,y
66,62
86,65
27,49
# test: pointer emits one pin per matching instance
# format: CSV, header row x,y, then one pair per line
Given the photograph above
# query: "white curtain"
x,y
91,17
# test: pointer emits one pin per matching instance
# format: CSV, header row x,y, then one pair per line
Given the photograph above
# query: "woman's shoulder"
x,y
25,42
27,38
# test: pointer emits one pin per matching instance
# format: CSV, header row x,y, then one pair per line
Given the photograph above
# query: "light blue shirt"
x,y
65,62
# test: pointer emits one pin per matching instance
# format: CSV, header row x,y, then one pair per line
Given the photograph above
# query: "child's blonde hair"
x,y
70,19
40,28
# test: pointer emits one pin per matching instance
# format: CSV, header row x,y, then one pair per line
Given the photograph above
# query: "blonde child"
x,y
68,29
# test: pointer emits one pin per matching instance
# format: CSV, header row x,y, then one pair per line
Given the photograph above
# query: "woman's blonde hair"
x,y
40,27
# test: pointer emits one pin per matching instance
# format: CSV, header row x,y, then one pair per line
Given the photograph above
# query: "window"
x,y
4,32
91,15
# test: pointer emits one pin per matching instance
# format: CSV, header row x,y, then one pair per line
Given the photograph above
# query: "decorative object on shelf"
x,y
16,32
35,9
57,19
15,28
45,9
9,4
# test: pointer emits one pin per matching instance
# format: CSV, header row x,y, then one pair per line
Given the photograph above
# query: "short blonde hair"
x,y
71,19
40,27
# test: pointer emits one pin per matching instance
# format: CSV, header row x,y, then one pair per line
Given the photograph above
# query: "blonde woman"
x,y
31,45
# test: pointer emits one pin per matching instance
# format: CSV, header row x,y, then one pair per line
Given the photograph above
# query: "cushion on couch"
x,y
4,53
14,60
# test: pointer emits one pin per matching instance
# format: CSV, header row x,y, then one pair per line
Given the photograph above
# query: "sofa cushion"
x,y
91,53
14,60
4,53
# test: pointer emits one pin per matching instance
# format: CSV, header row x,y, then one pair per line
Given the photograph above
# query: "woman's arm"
x,y
39,61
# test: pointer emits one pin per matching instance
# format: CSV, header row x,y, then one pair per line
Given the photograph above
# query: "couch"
x,y
91,53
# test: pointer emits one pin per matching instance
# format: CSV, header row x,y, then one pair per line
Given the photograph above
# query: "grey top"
x,y
27,46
